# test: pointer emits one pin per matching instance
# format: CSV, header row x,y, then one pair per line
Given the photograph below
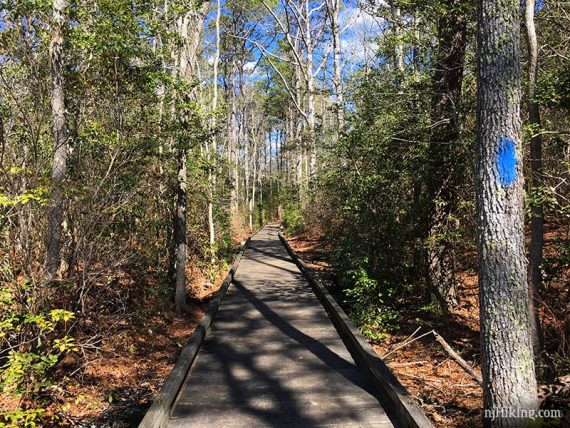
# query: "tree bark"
x,y
337,57
253,184
180,231
311,120
507,359
61,142
233,143
180,239
537,219
397,32
189,27
212,154
444,155
297,135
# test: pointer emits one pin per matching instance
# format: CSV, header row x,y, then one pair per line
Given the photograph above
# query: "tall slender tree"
x,y
61,141
188,29
537,219
397,33
334,12
212,151
507,359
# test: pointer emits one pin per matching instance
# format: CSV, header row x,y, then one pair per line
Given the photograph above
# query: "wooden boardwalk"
x,y
272,357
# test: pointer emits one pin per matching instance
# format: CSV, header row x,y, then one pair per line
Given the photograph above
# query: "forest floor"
x,y
127,362
445,392
128,344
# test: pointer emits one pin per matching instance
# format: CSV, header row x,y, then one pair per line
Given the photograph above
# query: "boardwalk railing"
x,y
395,394
158,414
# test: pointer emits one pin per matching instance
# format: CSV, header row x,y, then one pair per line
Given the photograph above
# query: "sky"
x,y
359,32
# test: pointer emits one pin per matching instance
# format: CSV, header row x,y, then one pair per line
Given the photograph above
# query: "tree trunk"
x,y
61,143
397,32
180,239
180,232
233,142
214,146
311,120
253,185
444,154
337,56
189,27
246,168
297,134
506,349
537,220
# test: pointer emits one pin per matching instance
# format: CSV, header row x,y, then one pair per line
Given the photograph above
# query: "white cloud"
x,y
249,66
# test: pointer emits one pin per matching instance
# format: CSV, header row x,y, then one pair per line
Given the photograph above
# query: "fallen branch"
x,y
412,363
407,342
477,377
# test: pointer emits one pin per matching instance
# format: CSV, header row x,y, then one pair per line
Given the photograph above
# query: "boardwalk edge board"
x,y
158,414
405,408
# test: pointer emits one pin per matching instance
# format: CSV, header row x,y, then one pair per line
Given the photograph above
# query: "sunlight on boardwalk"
x,y
273,358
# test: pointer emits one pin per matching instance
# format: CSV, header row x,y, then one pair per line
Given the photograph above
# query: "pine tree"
x,y
507,360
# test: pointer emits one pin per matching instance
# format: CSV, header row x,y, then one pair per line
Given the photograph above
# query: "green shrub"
x,y
34,342
368,303
293,218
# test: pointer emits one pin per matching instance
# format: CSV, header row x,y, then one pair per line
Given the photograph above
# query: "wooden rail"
x,y
396,396
158,414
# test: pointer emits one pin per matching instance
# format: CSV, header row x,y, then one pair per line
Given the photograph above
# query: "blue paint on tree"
x,y
507,162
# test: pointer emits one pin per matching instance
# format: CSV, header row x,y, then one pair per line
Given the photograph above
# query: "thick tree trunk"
x,y
444,156
61,143
537,220
507,359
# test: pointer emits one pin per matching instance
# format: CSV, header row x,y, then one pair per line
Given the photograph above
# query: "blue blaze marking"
x,y
507,162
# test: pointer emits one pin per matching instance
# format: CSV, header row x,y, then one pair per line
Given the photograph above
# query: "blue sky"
x,y
360,30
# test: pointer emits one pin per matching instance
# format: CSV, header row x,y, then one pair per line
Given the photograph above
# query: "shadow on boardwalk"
x,y
273,358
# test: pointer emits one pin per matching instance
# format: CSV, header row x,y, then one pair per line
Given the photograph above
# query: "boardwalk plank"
x,y
273,358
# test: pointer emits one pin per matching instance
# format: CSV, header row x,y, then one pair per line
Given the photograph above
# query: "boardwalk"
x,y
273,358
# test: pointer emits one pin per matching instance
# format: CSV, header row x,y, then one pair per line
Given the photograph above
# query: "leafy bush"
x,y
368,303
293,218
32,344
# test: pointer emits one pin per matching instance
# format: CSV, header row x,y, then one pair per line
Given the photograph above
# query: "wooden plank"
x,y
407,411
241,419
251,345
271,412
249,382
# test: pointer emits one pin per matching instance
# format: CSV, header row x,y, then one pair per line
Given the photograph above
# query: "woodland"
x,y
416,152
